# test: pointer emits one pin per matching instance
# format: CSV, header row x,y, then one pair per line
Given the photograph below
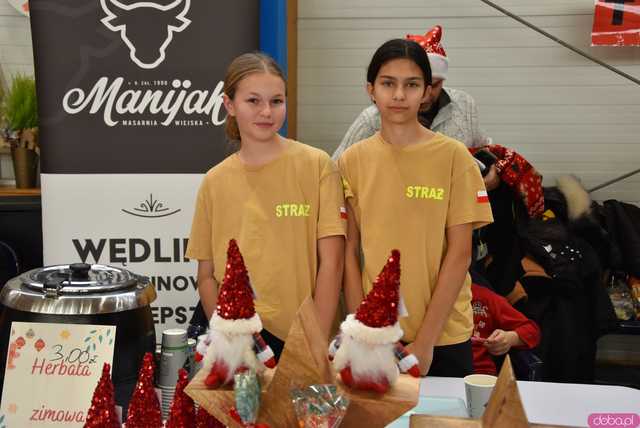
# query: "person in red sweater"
x,y
497,327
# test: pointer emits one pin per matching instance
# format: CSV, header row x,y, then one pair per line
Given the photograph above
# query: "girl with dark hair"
x,y
282,202
422,193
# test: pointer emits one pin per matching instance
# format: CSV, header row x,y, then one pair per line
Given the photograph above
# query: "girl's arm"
x,y
352,275
450,280
207,287
330,267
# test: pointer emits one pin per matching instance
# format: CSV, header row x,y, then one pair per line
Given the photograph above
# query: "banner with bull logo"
x,y
130,101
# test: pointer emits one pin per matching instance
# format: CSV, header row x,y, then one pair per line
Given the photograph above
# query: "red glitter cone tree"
x,y
102,413
183,411
144,407
205,420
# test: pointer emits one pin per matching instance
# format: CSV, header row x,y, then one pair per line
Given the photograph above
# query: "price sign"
x,y
51,372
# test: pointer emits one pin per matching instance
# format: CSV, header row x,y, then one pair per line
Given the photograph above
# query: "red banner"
x,y
616,23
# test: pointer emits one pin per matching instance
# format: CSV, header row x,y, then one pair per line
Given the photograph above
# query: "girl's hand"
x,y
424,354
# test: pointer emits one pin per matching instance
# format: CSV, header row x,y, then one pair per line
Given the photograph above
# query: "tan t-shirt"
x,y
405,198
276,212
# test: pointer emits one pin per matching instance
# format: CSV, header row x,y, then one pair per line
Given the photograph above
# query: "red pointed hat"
x,y
235,299
380,307
235,312
376,320
431,43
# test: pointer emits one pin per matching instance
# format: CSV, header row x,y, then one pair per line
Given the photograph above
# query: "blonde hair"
x,y
240,68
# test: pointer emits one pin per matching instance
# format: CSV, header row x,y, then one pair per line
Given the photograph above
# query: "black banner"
x,y
135,86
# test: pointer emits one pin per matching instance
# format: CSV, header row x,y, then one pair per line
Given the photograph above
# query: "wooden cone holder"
x,y
367,409
505,407
303,362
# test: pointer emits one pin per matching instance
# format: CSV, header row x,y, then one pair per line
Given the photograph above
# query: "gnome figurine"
x,y
367,352
234,338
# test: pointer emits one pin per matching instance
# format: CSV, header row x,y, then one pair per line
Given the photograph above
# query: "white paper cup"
x,y
478,388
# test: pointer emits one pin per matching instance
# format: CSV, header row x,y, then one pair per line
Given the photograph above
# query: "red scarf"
x,y
520,175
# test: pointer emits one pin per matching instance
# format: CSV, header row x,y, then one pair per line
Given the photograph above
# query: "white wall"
x,y
16,54
561,111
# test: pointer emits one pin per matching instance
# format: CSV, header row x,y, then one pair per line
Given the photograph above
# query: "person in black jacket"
x,y
568,300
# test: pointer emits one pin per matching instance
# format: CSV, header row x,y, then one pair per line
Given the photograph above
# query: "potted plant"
x,y
20,111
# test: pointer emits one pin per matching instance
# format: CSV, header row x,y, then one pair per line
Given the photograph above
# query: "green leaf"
x,y
20,105
94,346
88,338
100,338
92,332
108,332
110,341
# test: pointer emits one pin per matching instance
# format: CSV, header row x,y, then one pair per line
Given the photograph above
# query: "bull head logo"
x,y
145,27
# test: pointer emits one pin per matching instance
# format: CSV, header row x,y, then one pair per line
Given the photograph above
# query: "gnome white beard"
x,y
202,346
234,350
367,361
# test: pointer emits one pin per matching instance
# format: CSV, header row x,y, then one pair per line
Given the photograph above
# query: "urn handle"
x,y
79,270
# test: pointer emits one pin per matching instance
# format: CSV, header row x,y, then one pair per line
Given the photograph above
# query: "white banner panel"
x,y
137,221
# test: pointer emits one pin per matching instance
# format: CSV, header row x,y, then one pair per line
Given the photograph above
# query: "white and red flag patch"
x,y
482,196
343,213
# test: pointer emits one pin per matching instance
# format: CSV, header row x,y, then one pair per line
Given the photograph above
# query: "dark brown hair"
x,y
399,49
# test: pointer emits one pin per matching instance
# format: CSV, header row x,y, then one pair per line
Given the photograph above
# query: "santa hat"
x,y
376,320
235,313
431,43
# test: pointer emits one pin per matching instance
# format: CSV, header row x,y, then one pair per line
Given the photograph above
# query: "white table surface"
x,y
551,403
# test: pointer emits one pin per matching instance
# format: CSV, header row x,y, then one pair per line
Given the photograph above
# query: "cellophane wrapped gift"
x,y
247,396
319,406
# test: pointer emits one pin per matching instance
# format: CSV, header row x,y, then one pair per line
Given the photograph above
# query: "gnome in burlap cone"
x,y
367,352
235,343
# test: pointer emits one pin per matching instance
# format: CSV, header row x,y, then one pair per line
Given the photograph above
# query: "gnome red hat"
x,y
431,43
376,320
236,312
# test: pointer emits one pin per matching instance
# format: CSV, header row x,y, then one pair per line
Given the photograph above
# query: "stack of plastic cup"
x,y
175,351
